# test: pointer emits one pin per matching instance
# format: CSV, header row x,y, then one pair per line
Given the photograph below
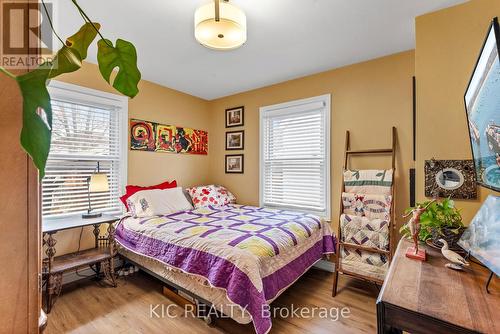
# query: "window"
x,y
295,155
89,128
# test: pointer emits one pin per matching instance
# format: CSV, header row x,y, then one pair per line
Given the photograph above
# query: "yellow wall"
x,y
367,98
153,103
448,44
163,105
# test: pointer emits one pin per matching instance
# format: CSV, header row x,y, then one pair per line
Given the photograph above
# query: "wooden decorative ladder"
x,y
338,264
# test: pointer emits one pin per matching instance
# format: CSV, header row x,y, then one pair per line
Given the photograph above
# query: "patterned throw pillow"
x,y
368,181
210,195
369,206
225,196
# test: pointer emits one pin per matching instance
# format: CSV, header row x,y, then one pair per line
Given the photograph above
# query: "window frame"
x,y
286,106
91,97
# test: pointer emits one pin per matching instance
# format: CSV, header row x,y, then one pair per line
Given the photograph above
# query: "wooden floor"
x,y
93,307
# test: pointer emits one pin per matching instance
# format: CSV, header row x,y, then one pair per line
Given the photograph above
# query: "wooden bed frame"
x,y
208,316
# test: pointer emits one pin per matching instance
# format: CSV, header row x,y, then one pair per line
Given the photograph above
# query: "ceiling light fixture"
x,y
220,26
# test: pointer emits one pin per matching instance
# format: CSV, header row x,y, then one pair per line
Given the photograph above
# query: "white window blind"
x,y
295,155
83,135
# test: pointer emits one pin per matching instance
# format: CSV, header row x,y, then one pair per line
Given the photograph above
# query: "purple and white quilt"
x,y
252,253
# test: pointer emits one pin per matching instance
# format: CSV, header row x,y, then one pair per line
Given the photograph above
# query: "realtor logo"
x,y
27,38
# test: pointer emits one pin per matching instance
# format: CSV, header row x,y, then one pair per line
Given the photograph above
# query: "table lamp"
x,y
97,182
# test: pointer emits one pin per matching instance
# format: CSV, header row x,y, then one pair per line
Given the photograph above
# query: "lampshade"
x,y
229,32
98,183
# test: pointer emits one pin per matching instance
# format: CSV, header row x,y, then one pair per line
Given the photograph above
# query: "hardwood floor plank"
x,y
93,307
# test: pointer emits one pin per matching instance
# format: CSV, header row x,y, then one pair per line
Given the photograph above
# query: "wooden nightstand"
x,y
101,257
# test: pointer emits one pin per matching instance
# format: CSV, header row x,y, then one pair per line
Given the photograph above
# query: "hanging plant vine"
x,y
37,111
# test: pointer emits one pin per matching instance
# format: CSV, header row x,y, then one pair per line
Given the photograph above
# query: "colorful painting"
x,y
149,136
165,138
142,135
191,141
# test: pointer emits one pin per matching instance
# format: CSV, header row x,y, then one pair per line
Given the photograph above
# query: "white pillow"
x,y
158,202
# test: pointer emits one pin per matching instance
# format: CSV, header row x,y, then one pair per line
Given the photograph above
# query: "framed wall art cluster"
x,y
154,137
235,140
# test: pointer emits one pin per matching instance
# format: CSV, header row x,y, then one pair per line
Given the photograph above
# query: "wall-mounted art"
x,y
234,164
165,138
235,140
450,178
150,136
235,117
142,135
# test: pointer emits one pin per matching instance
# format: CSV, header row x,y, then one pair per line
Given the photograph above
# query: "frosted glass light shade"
x,y
98,183
230,32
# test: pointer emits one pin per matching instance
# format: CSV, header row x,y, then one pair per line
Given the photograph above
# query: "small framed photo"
x,y
235,140
234,164
234,117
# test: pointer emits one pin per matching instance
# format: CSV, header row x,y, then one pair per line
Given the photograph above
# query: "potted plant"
x,y
441,220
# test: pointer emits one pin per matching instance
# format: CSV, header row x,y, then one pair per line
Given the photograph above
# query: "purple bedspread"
x,y
252,253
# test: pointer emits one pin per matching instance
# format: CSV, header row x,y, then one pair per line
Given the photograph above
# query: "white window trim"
x,y
326,99
63,91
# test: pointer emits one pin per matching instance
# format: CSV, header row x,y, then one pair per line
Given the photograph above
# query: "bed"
x,y
228,255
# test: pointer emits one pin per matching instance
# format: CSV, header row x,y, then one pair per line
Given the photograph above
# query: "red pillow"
x,y
130,190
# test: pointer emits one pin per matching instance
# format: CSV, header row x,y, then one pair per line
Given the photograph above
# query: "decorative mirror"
x,y
450,178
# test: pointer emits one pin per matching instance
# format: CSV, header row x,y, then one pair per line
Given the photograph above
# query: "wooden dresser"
x,y
425,297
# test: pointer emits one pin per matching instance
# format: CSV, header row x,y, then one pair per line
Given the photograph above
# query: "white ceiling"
x,y
286,38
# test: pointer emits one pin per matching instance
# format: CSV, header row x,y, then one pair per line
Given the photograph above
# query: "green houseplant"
x,y
441,220
120,57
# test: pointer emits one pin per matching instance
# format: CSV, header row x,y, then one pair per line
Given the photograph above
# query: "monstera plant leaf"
x,y
66,60
69,57
124,57
83,38
37,115
37,111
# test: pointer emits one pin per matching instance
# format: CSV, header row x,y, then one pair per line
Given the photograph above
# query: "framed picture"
x,y
234,164
234,117
450,178
481,103
154,137
235,140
